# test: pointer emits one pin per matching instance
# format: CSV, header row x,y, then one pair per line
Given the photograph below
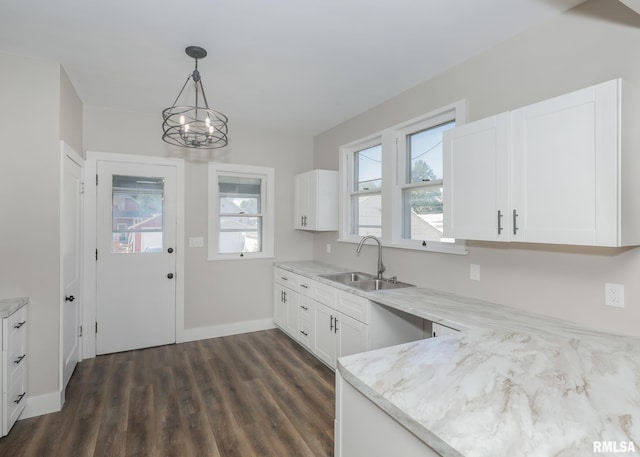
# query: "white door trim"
x,y
89,250
67,151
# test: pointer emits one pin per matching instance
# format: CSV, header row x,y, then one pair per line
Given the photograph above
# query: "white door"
x,y
136,261
71,260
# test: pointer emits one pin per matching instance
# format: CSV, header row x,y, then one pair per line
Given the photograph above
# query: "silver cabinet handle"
x,y
304,307
499,222
304,333
20,324
19,359
331,325
20,397
515,222
304,286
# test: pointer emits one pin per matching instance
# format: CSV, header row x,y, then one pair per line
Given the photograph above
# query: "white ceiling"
x,y
303,65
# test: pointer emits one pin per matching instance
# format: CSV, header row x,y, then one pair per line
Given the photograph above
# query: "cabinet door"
x,y
325,344
475,180
300,200
279,306
292,304
352,336
563,164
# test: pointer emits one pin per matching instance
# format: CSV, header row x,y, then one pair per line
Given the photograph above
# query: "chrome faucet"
x,y
380,265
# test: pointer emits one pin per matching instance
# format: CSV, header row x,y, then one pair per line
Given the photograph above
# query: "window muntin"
x,y
137,210
241,212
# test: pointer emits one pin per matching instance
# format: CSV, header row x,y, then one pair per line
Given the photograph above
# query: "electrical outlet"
x,y
614,295
474,272
196,242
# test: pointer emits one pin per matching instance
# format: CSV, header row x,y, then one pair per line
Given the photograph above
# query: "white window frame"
x,y
266,176
348,187
393,141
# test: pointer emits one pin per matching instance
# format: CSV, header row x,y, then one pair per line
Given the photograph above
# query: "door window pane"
x,y
424,154
368,168
137,209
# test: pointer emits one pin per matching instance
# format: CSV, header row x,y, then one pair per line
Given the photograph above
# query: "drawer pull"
x,y
304,286
19,359
20,324
304,333
20,397
283,278
304,307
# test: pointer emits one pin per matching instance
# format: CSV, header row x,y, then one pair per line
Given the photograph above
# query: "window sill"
x,y
459,248
225,257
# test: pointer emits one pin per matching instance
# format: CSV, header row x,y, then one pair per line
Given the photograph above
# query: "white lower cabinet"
x,y
14,368
363,429
332,322
337,335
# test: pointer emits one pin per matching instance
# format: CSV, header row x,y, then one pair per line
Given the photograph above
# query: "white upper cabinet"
x,y
475,182
562,171
316,200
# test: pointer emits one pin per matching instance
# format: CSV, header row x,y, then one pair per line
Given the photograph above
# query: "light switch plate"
x,y
474,272
196,242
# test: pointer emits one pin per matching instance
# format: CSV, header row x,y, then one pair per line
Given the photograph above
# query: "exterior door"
x,y
136,261
71,223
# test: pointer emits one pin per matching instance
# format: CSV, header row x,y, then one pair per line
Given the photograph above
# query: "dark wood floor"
x,y
257,394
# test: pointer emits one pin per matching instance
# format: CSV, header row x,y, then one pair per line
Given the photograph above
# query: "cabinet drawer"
x,y
354,306
325,294
306,286
16,398
307,309
306,333
16,323
286,278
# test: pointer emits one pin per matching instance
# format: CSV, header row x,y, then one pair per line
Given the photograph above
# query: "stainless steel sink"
x,y
348,278
364,281
378,284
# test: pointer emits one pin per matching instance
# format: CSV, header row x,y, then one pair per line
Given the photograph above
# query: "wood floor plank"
x,y
257,394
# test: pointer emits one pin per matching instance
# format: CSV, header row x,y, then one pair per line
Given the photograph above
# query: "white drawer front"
x,y
306,333
354,306
325,294
306,286
16,397
286,278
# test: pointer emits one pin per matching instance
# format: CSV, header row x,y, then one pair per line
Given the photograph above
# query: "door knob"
x,y
170,276
69,298
170,250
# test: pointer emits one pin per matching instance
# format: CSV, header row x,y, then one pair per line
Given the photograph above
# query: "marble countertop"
x,y
8,306
512,383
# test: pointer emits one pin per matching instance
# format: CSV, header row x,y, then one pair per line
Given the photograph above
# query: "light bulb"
x,y
181,120
186,128
211,129
207,121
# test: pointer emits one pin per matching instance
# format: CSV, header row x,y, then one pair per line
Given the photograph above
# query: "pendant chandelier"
x,y
196,126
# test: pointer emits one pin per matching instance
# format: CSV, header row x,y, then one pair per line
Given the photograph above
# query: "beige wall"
x,y
597,41
223,292
30,205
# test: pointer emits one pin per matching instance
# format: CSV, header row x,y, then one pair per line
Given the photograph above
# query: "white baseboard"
x,y
215,331
43,404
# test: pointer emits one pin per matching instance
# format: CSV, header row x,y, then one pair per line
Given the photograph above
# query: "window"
x,y
240,212
392,184
420,153
366,194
